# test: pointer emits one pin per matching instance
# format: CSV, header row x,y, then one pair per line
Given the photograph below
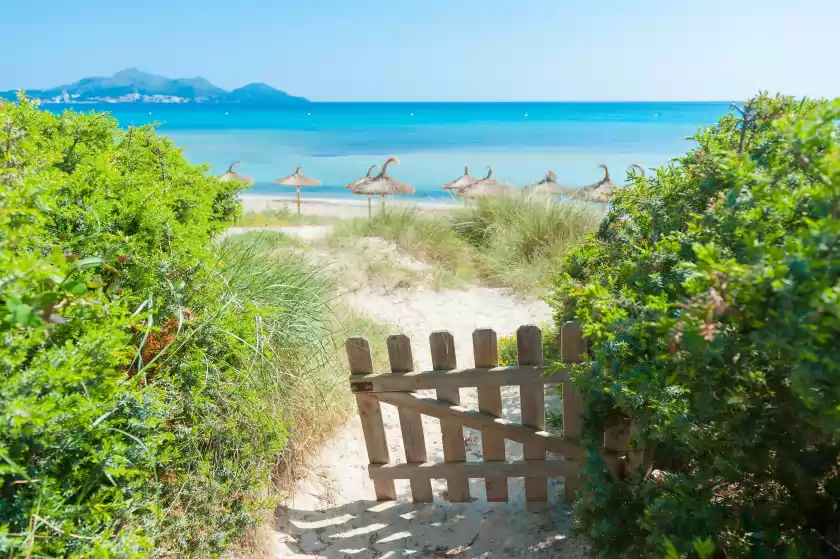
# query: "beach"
x,y
342,208
332,512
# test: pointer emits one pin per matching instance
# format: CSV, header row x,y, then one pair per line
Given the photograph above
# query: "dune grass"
x,y
298,364
515,242
294,380
511,242
426,239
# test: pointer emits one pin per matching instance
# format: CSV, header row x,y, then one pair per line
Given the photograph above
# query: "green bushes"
x,y
149,382
710,296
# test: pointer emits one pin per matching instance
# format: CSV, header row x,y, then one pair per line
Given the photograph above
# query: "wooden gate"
x,y
398,388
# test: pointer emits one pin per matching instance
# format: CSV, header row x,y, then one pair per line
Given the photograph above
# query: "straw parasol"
x,y
461,181
601,191
357,186
549,186
488,187
297,180
363,179
639,167
232,176
385,185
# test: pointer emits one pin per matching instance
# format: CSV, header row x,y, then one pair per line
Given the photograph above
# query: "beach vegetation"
x,y
154,385
515,242
709,296
506,242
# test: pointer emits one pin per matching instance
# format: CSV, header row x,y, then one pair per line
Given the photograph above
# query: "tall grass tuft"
x,y
295,364
509,242
517,240
425,238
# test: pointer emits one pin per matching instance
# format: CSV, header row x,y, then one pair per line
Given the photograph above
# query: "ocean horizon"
x,y
337,142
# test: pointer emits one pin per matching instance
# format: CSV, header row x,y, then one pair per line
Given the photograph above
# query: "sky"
x,y
436,50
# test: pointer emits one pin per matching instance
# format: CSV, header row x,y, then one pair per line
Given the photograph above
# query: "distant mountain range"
x,y
134,86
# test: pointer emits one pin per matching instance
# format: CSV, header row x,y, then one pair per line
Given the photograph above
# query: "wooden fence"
x,y
397,388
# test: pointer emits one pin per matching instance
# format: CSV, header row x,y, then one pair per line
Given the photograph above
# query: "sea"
x,y
337,142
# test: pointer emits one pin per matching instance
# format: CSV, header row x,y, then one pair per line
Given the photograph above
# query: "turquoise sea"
x,y
337,142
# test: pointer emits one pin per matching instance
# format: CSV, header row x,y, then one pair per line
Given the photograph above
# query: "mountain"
x,y
133,86
260,93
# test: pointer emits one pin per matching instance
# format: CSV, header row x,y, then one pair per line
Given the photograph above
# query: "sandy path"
x,y
334,515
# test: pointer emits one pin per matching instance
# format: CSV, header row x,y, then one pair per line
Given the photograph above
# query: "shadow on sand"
x,y
368,529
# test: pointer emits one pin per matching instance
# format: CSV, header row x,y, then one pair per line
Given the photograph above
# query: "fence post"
x,y
442,345
486,354
572,350
615,445
411,423
370,413
532,400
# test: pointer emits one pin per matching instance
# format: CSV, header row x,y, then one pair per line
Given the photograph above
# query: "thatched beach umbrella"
x,y
357,186
232,176
363,179
549,186
638,167
384,185
461,181
488,187
601,191
297,180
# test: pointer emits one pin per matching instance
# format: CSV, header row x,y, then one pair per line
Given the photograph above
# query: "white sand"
x,y
342,208
334,514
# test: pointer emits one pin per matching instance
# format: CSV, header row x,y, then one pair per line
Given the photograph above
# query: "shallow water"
x,y
337,142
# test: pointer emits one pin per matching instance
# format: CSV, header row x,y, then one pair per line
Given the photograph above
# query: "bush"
x,y
149,381
508,354
710,296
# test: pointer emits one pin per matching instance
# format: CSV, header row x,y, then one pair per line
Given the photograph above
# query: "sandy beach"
x,y
341,208
334,514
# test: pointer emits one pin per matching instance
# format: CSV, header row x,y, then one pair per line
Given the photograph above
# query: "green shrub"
x,y
550,340
710,297
150,382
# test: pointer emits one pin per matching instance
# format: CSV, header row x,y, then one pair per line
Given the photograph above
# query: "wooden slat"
x,y
361,362
458,378
615,440
358,355
477,420
636,457
532,400
486,354
411,423
506,469
572,350
442,345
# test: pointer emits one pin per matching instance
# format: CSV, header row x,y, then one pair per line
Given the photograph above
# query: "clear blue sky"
x,y
437,50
